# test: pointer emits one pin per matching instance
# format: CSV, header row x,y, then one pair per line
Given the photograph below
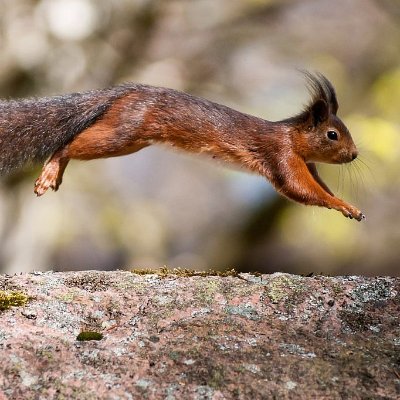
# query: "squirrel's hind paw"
x,y
52,173
49,178
43,183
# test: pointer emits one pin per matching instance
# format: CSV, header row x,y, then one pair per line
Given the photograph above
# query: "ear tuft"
x,y
321,89
319,111
331,93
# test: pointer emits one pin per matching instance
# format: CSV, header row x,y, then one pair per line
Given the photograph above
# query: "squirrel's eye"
x,y
332,135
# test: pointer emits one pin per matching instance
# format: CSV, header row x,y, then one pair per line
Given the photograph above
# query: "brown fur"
x,y
285,152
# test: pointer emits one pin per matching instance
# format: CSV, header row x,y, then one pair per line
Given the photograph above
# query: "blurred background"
x,y
158,207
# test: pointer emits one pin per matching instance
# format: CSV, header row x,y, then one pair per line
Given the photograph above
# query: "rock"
x,y
200,337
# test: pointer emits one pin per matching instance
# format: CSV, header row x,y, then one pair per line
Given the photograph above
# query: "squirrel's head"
x,y
321,135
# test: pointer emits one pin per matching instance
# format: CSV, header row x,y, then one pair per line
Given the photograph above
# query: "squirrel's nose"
x,y
354,154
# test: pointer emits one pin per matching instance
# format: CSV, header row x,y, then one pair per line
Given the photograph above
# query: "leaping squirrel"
x,y
124,119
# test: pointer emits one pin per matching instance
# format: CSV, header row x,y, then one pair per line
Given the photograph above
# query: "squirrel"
x,y
127,118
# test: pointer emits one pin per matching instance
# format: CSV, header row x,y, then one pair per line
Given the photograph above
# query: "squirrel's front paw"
x,y
352,212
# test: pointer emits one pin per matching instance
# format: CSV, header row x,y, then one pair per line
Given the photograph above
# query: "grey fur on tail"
x,y
31,130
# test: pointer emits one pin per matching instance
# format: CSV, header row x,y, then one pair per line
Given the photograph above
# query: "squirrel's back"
x,y
31,130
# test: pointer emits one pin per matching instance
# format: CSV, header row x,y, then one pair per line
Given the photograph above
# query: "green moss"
x,y
12,299
183,272
89,335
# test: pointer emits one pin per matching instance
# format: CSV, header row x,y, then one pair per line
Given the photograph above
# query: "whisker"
x,y
365,164
346,173
340,181
353,186
357,176
343,178
368,155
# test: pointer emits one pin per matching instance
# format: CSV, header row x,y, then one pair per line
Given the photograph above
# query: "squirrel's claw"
x,y
360,217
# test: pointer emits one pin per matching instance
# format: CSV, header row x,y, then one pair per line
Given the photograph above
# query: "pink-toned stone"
x,y
273,336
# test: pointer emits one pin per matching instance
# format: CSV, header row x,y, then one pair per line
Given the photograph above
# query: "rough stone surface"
x,y
249,337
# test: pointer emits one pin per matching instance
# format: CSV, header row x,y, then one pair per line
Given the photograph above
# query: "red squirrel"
x,y
124,119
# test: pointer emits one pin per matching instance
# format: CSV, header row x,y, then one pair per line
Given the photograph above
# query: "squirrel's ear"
x,y
319,112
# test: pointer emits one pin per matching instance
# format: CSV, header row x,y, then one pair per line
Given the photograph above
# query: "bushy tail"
x,y
32,130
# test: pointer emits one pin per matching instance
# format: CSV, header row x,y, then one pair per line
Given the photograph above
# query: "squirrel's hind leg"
x,y
52,172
